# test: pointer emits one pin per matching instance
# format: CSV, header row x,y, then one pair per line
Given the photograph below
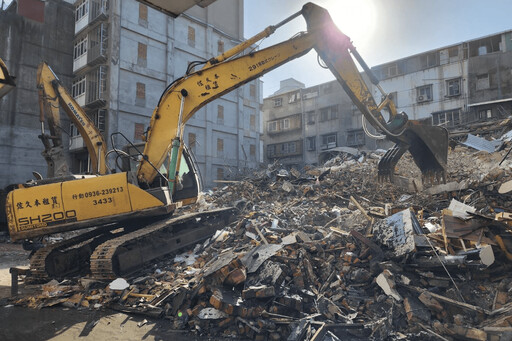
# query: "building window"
x,y
311,117
80,48
271,150
73,131
192,141
334,112
329,141
324,114
220,114
141,90
453,87
191,36
82,8
311,143
220,47
220,173
285,124
355,138
484,114
142,52
278,102
429,60
139,131
252,150
482,82
100,119
449,118
78,87
252,90
220,145
424,93
252,122
272,126
143,12
453,52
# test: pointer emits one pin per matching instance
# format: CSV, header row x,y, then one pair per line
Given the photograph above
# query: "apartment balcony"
x,y
94,11
98,43
91,49
80,100
76,143
96,89
79,62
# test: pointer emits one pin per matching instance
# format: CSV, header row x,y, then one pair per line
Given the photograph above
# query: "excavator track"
x,y
68,256
109,251
128,253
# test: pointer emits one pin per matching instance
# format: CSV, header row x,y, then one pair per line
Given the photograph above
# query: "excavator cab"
x,y
6,80
188,183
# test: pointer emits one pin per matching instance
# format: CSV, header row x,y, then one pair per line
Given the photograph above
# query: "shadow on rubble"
x,y
57,323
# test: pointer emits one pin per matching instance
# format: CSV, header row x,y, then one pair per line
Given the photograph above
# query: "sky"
x,y
381,30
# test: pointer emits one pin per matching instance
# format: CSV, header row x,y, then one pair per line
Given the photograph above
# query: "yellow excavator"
x,y
53,96
6,80
131,210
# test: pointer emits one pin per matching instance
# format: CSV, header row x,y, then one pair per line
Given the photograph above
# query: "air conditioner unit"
x,y
323,147
423,98
331,145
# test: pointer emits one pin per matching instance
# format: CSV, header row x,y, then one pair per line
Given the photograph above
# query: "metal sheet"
x,y
482,144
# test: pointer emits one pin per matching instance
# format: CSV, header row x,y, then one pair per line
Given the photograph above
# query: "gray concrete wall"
x,y
24,43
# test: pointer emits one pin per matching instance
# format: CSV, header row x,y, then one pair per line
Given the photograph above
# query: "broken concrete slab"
x,y
386,282
396,232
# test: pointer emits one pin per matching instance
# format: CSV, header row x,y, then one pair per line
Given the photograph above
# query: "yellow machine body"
x,y
62,206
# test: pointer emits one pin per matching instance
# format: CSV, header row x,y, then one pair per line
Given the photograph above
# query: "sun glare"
x,y
355,18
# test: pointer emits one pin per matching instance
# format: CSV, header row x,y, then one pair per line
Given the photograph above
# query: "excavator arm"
x,y
52,97
225,73
6,80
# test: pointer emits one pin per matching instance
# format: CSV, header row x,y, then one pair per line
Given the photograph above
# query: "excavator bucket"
x,y
428,146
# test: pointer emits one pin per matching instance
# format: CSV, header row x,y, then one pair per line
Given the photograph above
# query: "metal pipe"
x,y
173,160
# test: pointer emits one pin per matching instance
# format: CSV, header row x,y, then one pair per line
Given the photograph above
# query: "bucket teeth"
x,y
388,163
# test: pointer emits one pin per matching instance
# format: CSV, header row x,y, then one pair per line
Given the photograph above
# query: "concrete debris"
x,y
329,253
387,284
118,284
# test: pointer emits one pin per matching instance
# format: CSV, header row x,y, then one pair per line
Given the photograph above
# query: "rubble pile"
x,y
329,254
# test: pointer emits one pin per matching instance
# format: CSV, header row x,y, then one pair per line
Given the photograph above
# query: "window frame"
x,y
420,93
450,84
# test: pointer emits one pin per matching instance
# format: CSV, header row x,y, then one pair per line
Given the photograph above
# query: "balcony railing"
x,y
98,10
96,93
98,41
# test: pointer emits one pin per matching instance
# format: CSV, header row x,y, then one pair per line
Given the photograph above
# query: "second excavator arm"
x,y
226,72
53,96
